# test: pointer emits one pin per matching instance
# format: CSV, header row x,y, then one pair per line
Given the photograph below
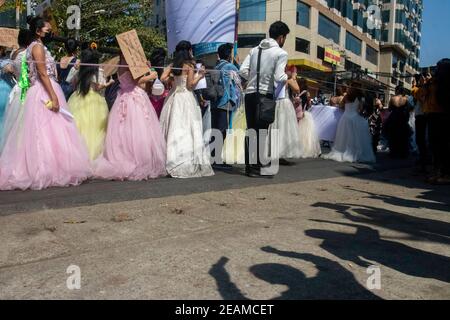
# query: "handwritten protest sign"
x,y
133,52
8,38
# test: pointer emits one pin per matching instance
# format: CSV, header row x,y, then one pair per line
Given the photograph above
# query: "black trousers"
x,y
421,139
439,136
253,147
220,120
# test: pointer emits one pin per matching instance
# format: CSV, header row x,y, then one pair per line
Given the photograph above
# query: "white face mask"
x,y
158,88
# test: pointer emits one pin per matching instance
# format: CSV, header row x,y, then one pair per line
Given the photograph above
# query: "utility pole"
x,y
18,5
28,7
281,10
335,79
77,30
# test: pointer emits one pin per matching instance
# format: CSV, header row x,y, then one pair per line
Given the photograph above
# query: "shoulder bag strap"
x,y
258,69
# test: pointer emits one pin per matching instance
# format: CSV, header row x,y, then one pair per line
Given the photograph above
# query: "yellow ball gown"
x,y
233,151
91,117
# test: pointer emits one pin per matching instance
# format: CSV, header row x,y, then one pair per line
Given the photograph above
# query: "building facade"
x,y
400,40
158,17
317,26
381,38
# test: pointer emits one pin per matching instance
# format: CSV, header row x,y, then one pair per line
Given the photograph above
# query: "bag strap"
x,y
258,69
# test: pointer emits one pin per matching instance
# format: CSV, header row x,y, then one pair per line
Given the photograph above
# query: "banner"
x,y
8,38
205,23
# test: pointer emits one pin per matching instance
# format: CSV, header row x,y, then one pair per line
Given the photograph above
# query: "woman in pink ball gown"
x,y
45,149
135,148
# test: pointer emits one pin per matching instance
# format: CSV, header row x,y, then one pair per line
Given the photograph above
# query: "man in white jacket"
x,y
272,74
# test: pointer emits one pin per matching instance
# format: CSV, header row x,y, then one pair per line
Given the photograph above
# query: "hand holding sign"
x,y
8,38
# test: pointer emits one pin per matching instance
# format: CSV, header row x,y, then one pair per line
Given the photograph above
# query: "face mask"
x,y
47,38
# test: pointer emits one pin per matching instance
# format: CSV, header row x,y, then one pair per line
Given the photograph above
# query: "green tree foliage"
x,y
102,20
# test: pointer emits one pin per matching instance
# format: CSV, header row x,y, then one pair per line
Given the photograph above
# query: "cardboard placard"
x,y
133,52
8,38
2,2
110,67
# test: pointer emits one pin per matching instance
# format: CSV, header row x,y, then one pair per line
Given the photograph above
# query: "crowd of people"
x,y
63,123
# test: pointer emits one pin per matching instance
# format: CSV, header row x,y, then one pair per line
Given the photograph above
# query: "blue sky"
x,y
435,43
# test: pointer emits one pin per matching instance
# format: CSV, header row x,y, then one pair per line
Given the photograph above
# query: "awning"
x,y
309,64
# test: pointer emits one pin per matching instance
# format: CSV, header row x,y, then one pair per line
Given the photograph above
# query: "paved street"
x,y
310,233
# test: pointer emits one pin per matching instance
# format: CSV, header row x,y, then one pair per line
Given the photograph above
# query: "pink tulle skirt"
x,y
44,149
135,148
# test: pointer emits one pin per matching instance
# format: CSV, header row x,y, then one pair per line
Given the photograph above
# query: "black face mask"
x,y
47,38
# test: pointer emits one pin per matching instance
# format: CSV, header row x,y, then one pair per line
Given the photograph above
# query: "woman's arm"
x,y
38,54
151,77
293,84
192,79
8,68
165,77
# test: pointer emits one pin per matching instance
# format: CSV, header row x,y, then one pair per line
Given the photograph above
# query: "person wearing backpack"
x,y
226,101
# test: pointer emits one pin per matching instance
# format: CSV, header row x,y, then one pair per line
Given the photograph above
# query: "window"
x,y
329,29
386,16
371,55
385,36
351,66
353,44
320,53
302,45
252,10
303,11
250,40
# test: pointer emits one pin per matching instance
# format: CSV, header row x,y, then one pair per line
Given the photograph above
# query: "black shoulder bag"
x,y
266,106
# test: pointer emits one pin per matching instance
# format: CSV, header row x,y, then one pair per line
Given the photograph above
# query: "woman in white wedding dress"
x,y
181,121
353,141
309,139
286,121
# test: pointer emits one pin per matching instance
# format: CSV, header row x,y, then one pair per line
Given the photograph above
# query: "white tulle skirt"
x,y
13,115
309,140
286,124
326,119
233,151
353,141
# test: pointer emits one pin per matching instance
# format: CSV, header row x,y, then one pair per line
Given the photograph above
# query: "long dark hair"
x,y
35,23
354,92
2,51
183,46
181,58
86,73
71,46
158,58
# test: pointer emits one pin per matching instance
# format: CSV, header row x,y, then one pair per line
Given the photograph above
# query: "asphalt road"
x,y
98,192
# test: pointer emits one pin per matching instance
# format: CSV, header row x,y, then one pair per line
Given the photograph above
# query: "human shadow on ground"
x,y
366,243
331,282
440,202
417,228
